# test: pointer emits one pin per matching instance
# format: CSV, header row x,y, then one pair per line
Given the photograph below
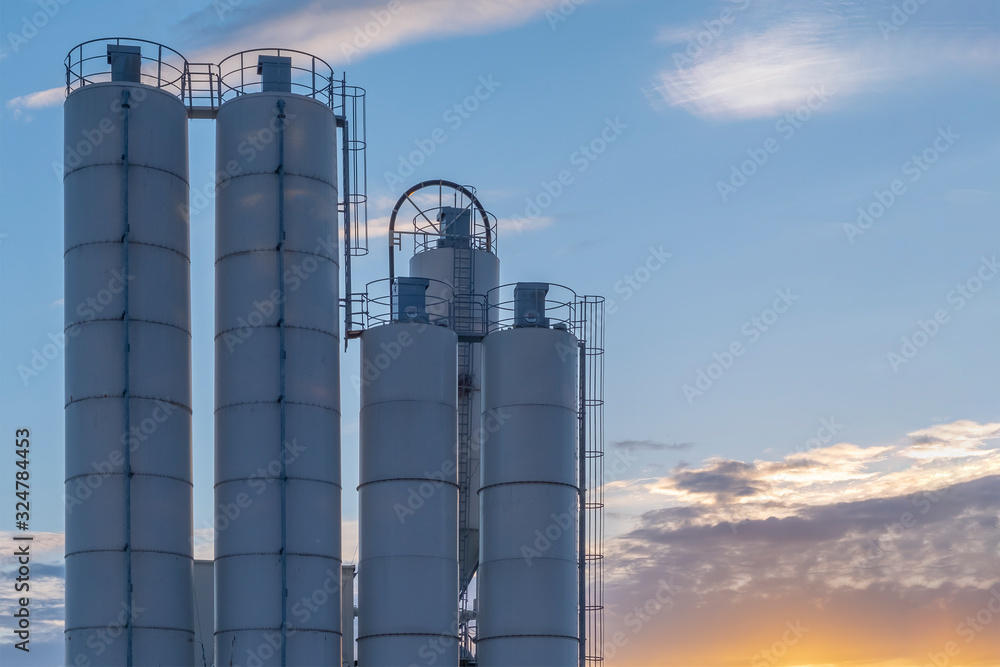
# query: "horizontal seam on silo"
x,y
395,556
130,319
529,405
134,474
276,627
222,181
408,634
219,557
118,241
118,397
289,251
275,401
332,334
142,627
133,550
571,561
528,481
409,400
274,479
131,165
408,479
483,639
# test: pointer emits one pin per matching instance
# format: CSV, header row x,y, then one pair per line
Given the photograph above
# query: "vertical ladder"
x,y
465,395
462,284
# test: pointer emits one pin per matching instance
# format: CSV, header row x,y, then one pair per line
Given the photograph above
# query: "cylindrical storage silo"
x,y
408,498
277,420
449,265
128,375
528,578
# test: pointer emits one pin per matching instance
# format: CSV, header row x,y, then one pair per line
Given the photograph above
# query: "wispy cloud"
x,y
768,59
42,99
651,445
345,32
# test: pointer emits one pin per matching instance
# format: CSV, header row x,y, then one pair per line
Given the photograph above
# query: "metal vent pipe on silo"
x,y
277,492
128,362
528,577
408,491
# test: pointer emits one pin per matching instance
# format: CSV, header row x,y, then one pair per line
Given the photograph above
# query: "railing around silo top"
x,y
160,66
379,304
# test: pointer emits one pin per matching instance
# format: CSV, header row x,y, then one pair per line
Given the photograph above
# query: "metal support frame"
x,y
590,331
346,150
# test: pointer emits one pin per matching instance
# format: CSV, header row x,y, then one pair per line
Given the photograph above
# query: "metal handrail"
x,y
315,81
82,69
560,308
381,306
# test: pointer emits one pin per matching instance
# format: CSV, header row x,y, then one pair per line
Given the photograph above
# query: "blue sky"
x,y
739,138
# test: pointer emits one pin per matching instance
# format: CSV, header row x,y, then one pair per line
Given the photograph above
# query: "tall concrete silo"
x,y
128,358
530,497
408,491
277,553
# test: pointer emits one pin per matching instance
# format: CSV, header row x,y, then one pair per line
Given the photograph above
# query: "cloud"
x,y
346,32
651,445
39,100
880,554
47,582
773,57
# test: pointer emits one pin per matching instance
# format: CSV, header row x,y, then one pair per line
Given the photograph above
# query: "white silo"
x,y
278,514
408,491
128,358
528,577
467,263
